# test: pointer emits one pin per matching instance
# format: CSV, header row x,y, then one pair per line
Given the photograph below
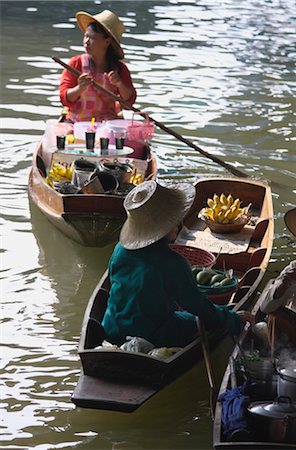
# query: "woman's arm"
x,y
193,300
70,86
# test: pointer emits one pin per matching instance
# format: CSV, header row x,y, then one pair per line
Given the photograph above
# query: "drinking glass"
x,y
61,140
90,138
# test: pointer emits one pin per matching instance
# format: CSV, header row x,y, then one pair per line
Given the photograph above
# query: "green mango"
x,y
226,281
217,278
195,270
204,277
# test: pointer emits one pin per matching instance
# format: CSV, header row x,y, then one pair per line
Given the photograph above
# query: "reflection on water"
x,y
218,73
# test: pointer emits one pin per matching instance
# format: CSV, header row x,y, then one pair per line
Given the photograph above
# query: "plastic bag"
x,y
137,344
164,352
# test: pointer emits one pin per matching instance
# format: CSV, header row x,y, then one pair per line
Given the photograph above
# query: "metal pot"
x,y
82,171
121,171
263,373
274,421
103,182
286,384
266,388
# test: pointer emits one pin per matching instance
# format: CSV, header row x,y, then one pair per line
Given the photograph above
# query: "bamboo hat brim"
x,y
290,220
153,211
109,22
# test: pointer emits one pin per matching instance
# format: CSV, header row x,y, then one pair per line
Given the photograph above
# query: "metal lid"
x,y
288,374
281,407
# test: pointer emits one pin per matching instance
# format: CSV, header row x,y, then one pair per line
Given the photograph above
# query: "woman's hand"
x,y
114,78
246,316
84,80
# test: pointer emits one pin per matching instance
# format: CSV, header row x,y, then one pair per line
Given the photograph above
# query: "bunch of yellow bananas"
x,y
222,209
136,179
58,172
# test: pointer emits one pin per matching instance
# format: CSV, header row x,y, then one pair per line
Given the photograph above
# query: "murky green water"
x,y
220,73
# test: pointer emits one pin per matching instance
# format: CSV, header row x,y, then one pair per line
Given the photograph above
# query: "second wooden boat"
x,y
121,380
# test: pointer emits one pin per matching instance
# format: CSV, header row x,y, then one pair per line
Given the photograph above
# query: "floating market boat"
x,y
256,406
120,380
93,215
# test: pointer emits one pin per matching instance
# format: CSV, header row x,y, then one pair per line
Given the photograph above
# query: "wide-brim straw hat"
x,y
153,211
290,220
109,22
270,300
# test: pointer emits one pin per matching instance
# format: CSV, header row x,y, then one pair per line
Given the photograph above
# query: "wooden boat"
x,y
121,380
92,220
257,436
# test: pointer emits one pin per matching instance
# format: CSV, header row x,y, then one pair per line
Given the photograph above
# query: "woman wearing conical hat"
x,y
281,292
149,279
102,62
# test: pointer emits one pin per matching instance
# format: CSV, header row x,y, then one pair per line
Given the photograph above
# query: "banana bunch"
x,y
222,209
58,172
136,179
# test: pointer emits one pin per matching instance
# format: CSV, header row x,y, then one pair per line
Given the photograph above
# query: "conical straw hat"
x,y
290,220
110,23
153,211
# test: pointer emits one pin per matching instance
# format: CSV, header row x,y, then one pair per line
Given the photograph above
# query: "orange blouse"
x,y
92,102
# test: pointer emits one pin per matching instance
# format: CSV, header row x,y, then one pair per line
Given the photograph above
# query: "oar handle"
x,y
160,125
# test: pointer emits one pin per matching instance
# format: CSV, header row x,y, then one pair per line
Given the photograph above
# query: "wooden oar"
x,y
160,125
206,354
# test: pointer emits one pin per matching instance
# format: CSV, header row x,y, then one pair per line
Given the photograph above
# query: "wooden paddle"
x,y
206,354
160,125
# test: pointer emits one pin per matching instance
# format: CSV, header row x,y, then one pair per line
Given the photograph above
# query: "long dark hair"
x,y
111,56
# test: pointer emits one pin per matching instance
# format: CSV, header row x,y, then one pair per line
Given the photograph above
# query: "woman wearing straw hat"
x,y
282,291
148,279
102,62
278,292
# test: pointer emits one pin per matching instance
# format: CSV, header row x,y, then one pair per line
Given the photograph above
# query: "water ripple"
x,y
217,74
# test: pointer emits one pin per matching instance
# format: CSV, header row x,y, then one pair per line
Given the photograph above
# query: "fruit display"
x,y
58,172
136,179
215,281
224,209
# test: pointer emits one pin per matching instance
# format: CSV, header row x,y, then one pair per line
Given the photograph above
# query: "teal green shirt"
x,y
147,286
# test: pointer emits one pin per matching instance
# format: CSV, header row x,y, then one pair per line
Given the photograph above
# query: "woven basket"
x,y
195,256
141,131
